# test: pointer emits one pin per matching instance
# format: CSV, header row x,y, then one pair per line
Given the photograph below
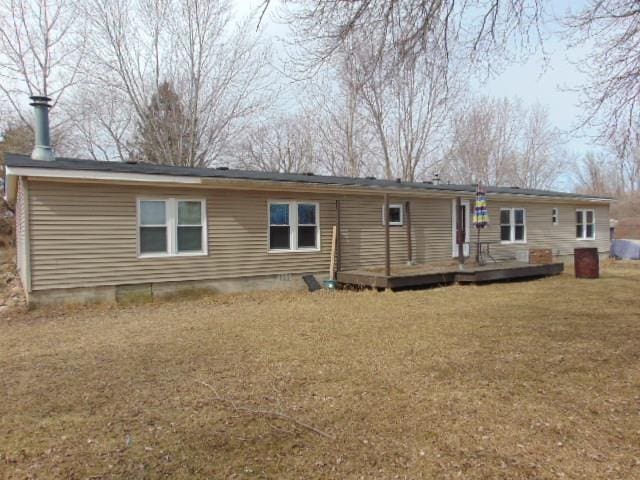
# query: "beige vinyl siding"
x,y
21,233
431,229
86,235
541,233
363,240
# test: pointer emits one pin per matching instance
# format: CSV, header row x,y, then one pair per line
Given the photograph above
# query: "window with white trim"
x,y
554,216
585,224
293,226
396,214
170,226
513,227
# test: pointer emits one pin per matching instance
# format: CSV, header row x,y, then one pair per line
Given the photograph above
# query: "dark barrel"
x,y
587,263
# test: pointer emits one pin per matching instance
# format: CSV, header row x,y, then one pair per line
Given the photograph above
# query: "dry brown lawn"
x,y
534,379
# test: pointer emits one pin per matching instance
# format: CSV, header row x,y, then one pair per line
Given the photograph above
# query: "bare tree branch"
x,y
265,413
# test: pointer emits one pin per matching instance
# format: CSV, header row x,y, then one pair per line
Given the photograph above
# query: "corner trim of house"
x,y
27,236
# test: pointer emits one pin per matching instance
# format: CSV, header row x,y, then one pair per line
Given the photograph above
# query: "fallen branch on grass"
x,y
264,413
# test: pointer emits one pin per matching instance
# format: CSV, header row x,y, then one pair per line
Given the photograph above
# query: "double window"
x,y
396,216
513,228
171,226
293,226
554,216
585,225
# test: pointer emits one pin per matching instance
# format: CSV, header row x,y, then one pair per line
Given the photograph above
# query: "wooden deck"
x,y
446,273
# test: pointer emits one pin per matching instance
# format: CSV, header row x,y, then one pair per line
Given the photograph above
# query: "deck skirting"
x,y
446,275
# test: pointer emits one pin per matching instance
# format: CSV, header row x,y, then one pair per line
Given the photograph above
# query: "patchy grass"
x,y
519,380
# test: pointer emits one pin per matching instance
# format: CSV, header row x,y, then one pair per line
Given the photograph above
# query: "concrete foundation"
x,y
140,293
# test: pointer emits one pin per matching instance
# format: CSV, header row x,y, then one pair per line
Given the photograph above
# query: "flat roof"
x,y
76,164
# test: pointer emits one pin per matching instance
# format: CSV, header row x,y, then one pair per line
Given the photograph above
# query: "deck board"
x,y
403,276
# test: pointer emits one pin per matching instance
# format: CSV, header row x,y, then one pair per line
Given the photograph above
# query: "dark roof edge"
x,y
17,160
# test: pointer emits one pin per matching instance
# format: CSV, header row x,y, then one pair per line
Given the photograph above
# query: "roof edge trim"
x,y
95,175
12,172
10,186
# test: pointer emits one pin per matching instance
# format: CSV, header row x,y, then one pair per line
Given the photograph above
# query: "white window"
x,y
396,216
293,226
171,226
554,216
513,227
585,225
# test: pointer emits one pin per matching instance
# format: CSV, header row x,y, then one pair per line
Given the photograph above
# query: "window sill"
x,y
516,242
172,255
586,239
297,250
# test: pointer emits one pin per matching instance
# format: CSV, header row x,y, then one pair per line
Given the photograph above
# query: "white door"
x,y
465,225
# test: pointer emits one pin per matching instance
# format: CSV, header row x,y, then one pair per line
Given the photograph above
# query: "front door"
x,y
465,227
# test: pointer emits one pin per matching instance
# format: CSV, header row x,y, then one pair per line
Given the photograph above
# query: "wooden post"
x,y
338,233
459,239
332,264
407,212
387,246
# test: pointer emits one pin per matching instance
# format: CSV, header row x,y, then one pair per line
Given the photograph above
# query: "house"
x,y
91,230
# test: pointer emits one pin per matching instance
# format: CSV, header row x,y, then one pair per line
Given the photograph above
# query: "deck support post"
x,y
459,231
338,233
407,212
387,246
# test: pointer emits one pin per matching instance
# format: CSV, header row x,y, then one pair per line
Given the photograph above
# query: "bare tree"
x,y
41,48
609,173
483,144
593,174
627,163
409,29
103,124
335,111
612,96
612,171
217,69
15,137
499,142
539,159
408,106
284,144
487,31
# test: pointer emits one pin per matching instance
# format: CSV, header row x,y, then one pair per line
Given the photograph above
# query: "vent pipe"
x,y
43,149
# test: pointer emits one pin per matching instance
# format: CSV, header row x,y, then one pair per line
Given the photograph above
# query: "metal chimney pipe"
x,y
43,149
436,179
